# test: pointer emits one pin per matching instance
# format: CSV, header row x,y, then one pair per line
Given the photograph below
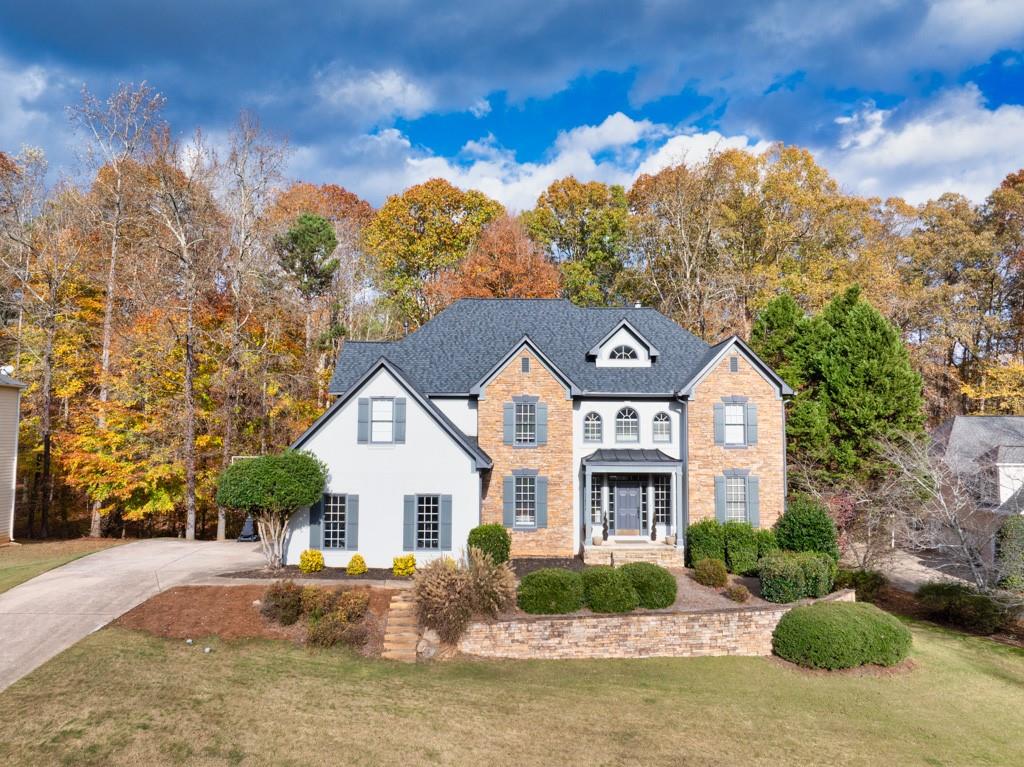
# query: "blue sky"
x,y
895,98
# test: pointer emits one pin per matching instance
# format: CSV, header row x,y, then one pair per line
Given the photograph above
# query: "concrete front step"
x,y
623,553
401,633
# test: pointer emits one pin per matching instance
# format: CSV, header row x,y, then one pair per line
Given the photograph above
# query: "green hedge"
x,y
493,540
1010,553
835,635
867,583
807,526
655,586
607,590
782,578
705,540
550,590
740,548
962,606
766,543
819,573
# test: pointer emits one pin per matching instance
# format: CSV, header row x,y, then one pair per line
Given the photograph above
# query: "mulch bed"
x,y
870,670
292,572
228,612
526,565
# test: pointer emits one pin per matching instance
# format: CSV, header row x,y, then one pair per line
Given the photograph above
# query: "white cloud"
x,y
614,132
695,147
19,118
372,95
480,108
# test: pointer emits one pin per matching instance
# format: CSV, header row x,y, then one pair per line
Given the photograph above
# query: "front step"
x,y
401,633
623,553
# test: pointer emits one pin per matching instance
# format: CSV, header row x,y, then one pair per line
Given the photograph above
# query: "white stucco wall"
x,y
1011,479
429,462
461,410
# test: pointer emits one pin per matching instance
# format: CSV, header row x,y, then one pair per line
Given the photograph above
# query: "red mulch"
x,y
898,670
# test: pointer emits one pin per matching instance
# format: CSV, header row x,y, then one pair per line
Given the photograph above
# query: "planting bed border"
x,y
676,634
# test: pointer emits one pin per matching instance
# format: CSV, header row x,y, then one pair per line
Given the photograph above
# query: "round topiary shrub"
x,y
705,540
491,539
550,590
403,565
356,565
311,561
740,548
738,593
807,526
782,578
834,635
607,590
711,572
655,586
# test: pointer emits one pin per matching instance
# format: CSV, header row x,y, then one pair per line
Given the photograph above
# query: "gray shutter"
x,y
542,424
751,423
720,499
400,420
352,522
409,528
753,502
364,421
446,523
719,423
509,422
509,501
542,501
316,533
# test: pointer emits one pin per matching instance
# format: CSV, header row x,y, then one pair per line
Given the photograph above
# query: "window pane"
x,y
526,423
627,426
592,428
735,428
428,522
596,512
736,499
623,353
526,500
662,428
662,499
382,428
382,409
333,521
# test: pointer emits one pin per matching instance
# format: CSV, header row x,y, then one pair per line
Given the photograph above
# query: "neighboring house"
x,y
988,452
553,420
10,405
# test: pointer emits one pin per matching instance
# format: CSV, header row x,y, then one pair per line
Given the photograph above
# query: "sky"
x,y
900,97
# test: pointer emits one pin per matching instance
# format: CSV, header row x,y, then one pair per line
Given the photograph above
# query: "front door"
x,y
627,509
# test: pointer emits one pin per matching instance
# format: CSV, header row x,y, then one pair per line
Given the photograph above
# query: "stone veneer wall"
x,y
553,460
706,460
736,631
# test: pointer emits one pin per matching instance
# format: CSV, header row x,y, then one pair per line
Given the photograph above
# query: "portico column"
x,y
588,523
651,523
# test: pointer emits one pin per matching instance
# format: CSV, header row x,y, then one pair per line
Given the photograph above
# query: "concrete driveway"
x,y
49,613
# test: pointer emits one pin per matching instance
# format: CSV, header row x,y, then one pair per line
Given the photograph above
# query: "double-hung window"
x,y
334,519
662,428
525,501
526,423
735,425
382,420
736,499
627,425
592,427
662,499
428,522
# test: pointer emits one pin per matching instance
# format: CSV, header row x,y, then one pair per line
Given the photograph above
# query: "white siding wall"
x,y
8,458
430,462
1011,479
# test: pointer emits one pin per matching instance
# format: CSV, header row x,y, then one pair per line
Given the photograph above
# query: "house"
x,y
582,430
988,452
10,405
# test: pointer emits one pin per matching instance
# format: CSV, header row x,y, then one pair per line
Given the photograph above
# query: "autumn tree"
x,y
503,263
417,236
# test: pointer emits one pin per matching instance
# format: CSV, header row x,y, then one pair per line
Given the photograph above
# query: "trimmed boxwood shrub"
x,y
836,635
782,578
807,526
711,572
962,606
655,586
766,543
491,539
705,540
867,583
819,572
550,590
607,590
740,548
1010,553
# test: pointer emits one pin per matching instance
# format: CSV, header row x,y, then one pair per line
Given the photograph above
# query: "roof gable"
x,y
715,355
652,350
570,388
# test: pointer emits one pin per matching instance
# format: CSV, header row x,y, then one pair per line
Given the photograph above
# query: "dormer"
x,y
623,347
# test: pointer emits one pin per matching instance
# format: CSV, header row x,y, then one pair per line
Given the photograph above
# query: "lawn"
x,y
124,698
27,560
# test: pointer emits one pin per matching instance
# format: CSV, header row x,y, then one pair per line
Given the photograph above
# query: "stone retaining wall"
x,y
735,631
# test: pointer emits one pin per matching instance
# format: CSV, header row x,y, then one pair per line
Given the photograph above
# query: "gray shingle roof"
x,y
974,440
459,346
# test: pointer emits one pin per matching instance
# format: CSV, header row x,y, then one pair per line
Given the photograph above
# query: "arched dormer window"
x,y
623,352
627,425
592,427
662,428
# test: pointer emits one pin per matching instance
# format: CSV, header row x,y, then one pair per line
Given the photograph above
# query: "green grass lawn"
x,y
20,563
123,698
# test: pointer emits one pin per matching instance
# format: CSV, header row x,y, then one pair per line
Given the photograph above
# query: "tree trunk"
x,y
190,422
46,428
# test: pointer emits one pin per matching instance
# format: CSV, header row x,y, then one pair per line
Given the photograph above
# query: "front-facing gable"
x,y
734,346
623,336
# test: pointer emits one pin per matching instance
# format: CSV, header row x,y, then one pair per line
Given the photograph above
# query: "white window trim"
x,y
730,484
373,401
528,407
667,421
420,499
742,425
619,437
340,509
529,498
600,427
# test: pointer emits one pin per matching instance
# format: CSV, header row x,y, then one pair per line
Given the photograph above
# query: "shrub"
x,y
962,606
806,526
317,601
282,603
737,592
836,635
333,628
766,543
311,561
403,566
819,572
352,605
867,583
1010,553
356,565
607,590
782,578
655,586
705,540
740,548
492,586
551,590
711,572
443,601
492,539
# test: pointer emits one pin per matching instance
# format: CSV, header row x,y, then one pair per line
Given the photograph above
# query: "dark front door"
x,y
627,509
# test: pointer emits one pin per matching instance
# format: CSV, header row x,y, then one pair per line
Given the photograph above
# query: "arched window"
x,y
662,428
592,427
627,425
623,352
